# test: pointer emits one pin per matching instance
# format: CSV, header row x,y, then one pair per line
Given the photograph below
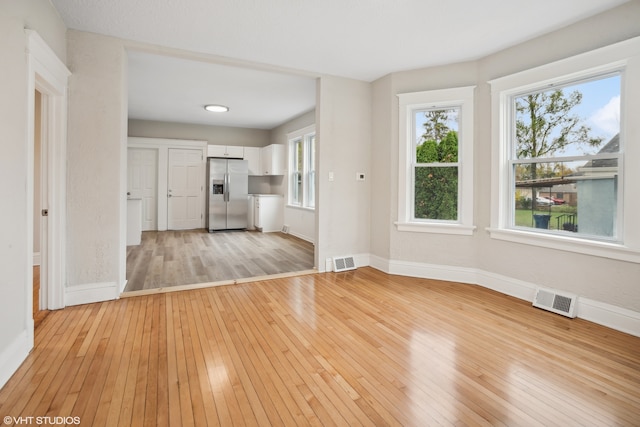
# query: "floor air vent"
x,y
560,303
343,263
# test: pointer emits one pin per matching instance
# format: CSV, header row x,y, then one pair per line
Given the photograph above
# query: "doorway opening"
x,y
46,179
40,204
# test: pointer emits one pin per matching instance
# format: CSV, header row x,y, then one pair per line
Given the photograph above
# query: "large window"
x,y
560,144
302,149
436,161
565,158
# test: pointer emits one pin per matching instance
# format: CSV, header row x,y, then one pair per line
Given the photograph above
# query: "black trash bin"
x,y
541,220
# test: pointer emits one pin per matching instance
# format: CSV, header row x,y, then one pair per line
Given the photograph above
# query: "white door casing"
x,y
142,183
48,75
185,189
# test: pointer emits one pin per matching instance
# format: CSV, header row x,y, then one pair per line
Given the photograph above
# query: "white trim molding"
x,y
13,355
91,292
604,314
623,58
47,74
408,104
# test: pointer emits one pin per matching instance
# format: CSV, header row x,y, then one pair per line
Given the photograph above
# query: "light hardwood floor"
x,y
174,258
347,349
38,315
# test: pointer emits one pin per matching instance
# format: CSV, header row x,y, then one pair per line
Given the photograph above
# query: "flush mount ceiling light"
x,y
216,108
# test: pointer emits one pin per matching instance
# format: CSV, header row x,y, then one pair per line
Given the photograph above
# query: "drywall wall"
x,y
343,129
214,135
96,154
598,279
15,222
300,222
384,153
595,278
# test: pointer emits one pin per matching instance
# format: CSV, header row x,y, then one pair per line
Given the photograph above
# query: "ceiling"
x,y
359,39
164,88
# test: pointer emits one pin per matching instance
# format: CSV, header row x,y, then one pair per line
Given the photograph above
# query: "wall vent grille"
x,y
343,263
556,302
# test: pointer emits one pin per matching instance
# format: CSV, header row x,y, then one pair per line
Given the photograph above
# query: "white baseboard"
x,y
90,293
604,314
13,355
301,236
36,258
613,317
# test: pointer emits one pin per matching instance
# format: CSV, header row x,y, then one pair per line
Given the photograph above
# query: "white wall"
x,y
15,259
214,135
96,156
343,131
301,222
479,258
599,279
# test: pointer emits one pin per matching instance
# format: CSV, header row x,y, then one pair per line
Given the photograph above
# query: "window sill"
x,y
566,243
435,228
302,208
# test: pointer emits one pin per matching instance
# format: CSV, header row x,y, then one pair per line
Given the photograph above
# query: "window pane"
x,y
296,188
436,193
297,155
311,156
436,135
311,202
574,120
574,197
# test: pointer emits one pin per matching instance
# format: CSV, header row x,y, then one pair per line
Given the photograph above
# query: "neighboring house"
x,y
566,192
596,182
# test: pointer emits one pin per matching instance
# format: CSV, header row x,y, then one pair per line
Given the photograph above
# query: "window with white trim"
x,y
436,161
302,149
560,144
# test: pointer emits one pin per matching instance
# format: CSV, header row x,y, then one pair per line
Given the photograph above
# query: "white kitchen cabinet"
x,y
268,212
225,151
272,158
251,224
252,155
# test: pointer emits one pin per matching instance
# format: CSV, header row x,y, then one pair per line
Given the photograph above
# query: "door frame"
x,y
49,76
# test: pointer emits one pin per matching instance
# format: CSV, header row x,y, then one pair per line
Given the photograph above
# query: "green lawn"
x,y
524,217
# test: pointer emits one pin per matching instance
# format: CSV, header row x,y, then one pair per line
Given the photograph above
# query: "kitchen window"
x,y
436,161
302,152
560,147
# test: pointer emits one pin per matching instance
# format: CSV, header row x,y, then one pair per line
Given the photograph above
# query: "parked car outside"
x,y
543,201
557,201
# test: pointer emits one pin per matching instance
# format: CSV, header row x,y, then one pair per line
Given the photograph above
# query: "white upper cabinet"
x,y
272,159
225,151
252,155
267,160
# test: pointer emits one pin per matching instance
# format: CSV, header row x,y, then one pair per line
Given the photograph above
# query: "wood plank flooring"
x,y
173,258
332,349
38,315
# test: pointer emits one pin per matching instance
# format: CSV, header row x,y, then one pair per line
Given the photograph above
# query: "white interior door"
x,y
185,189
142,183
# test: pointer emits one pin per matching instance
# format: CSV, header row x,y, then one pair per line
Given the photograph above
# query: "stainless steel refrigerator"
x,y
228,193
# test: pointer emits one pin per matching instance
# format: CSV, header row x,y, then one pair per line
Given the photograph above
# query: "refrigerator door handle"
x,y
226,187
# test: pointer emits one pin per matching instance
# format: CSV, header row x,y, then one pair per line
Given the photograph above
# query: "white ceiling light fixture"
x,y
216,108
